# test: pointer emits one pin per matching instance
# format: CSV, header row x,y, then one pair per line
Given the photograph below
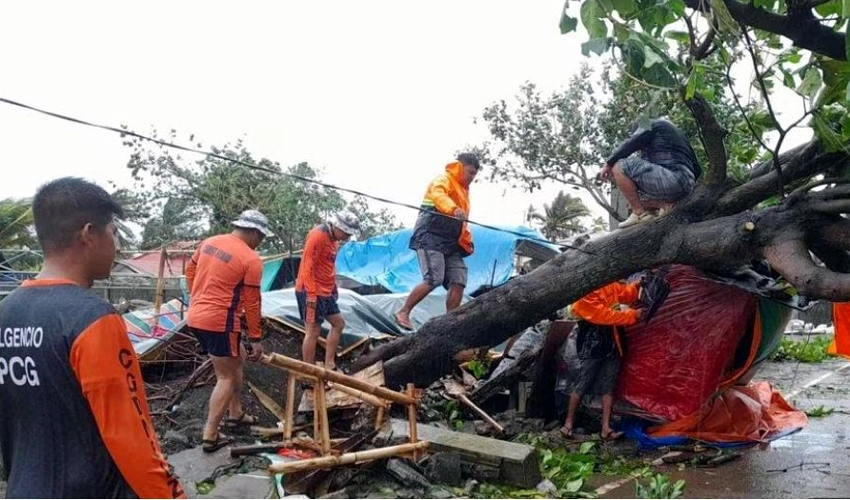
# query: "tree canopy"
x,y
182,199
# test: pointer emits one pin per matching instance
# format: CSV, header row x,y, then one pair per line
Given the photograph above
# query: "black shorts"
x,y
325,306
225,345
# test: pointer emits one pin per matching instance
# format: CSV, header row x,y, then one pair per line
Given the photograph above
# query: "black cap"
x,y
469,159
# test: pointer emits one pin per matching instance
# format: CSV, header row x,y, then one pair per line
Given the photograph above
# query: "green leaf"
x,y
574,485
831,8
568,23
691,86
651,57
590,14
845,9
679,36
811,83
621,33
596,45
765,4
788,79
586,447
624,7
677,6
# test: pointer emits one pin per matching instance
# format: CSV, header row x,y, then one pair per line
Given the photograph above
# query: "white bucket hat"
x,y
254,219
346,221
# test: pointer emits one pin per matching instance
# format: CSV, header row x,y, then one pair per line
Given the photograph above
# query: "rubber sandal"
x,y
612,436
406,325
213,445
245,420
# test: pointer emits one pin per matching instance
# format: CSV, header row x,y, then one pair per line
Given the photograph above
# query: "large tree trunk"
x,y
782,235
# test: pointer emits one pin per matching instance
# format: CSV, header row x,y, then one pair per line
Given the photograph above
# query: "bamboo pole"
x,y
481,412
290,407
321,402
362,396
379,418
411,419
336,377
346,458
159,292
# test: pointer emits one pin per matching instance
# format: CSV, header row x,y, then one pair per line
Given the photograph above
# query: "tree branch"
x,y
804,32
791,258
798,163
713,135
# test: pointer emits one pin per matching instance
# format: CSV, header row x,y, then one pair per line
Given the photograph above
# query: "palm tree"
x,y
16,224
561,218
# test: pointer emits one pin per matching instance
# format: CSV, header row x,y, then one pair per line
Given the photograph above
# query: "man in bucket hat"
x,y
315,287
224,279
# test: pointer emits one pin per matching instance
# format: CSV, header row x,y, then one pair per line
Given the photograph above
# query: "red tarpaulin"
x,y
676,363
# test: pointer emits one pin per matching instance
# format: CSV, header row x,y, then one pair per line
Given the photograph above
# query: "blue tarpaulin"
x,y
386,260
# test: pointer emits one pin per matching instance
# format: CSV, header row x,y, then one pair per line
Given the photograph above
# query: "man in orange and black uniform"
x,y
315,287
598,348
74,420
441,243
224,278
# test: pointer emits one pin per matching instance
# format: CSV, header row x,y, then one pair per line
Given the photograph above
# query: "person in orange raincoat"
x,y
441,238
597,348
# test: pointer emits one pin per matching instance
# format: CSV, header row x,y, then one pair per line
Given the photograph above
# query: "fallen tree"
x,y
720,227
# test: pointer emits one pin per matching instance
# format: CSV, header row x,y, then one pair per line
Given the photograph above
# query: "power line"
x,y
253,166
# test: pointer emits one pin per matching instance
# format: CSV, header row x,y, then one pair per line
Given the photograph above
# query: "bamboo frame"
x,y
378,396
348,458
303,368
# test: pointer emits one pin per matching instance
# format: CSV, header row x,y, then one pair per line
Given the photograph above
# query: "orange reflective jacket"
x,y
602,307
445,194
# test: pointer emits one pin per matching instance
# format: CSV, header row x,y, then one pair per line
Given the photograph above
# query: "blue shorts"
x,y
325,306
221,344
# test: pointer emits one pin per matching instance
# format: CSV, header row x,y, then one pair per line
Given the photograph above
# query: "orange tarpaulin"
x,y
840,346
742,413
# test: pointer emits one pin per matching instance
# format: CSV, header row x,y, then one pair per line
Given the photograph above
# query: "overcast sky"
x,y
377,94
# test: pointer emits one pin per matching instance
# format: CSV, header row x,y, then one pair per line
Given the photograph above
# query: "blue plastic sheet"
x,y
635,428
386,260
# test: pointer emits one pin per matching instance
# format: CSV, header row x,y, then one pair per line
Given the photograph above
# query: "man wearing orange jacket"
x,y
74,419
598,348
441,237
224,278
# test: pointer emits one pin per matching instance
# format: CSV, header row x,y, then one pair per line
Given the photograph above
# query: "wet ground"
x,y
813,463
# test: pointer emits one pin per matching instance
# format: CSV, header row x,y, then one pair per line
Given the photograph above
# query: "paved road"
x,y
814,462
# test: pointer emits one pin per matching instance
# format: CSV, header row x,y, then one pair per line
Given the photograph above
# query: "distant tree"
x,y
16,224
562,218
209,193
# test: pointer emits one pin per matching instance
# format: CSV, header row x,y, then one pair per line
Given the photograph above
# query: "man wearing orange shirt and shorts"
x,y
315,287
224,278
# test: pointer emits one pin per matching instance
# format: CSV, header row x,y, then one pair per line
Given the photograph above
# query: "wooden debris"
x,y
253,449
336,377
267,402
454,389
347,458
298,483
349,349
493,386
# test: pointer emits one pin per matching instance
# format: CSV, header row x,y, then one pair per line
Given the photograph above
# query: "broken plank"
x,y
505,379
518,463
253,449
267,401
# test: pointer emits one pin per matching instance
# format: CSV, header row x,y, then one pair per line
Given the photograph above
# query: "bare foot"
x,y
403,320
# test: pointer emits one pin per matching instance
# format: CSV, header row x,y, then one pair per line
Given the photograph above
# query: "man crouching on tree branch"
x,y
665,172
595,361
